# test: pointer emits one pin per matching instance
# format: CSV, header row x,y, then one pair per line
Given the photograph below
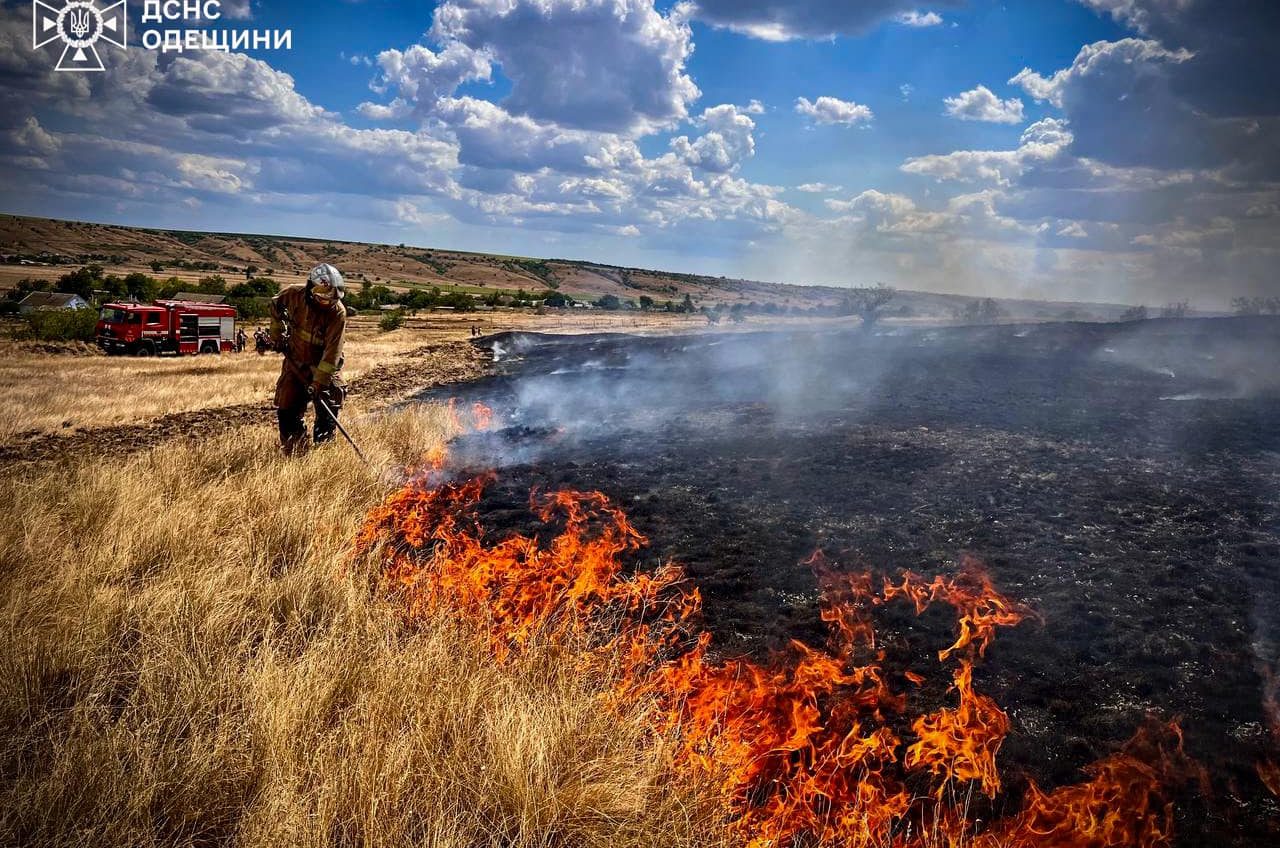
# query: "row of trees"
x,y
96,287
1178,309
1256,305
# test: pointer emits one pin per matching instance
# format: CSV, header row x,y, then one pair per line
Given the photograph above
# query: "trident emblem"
x,y
78,19
79,24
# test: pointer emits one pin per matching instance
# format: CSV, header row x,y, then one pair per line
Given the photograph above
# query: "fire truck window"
x,y
113,315
154,317
135,317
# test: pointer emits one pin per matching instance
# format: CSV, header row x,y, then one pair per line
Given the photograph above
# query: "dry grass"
x,y
187,662
46,393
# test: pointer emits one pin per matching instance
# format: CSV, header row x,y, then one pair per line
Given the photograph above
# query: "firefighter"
x,y
316,320
241,340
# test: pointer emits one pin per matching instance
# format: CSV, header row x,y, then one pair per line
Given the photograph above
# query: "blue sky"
x,y
1073,149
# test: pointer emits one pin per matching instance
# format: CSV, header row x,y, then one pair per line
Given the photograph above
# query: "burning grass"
x,y
209,645
825,745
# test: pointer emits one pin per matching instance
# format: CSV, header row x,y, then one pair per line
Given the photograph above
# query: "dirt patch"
x,y
415,370
429,365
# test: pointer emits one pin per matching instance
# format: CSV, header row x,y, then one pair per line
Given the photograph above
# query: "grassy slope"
x,y
188,660
406,266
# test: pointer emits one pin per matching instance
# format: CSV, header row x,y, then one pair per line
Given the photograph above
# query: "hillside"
x,y
43,248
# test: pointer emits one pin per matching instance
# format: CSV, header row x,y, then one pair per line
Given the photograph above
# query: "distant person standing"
x,y
316,321
241,340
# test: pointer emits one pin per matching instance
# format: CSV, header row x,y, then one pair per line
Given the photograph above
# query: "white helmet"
x,y
325,284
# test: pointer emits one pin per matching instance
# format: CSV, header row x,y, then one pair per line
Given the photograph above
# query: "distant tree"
x,y
687,304
866,302
141,287
1177,309
392,321
157,266
646,302
252,297
169,287
991,311
214,284
1248,305
26,286
556,299
984,311
83,281
1134,313
609,301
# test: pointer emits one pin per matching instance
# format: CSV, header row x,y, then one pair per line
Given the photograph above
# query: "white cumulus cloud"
x,y
819,188
980,104
609,65
785,20
916,19
1099,58
832,110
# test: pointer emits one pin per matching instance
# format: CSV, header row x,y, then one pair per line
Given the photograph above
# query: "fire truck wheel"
x,y
145,350
209,347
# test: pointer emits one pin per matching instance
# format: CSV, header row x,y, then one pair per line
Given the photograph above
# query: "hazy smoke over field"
x,y
633,390
1222,365
631,393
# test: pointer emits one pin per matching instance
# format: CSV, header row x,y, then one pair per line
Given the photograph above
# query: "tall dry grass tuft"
x,y
187,662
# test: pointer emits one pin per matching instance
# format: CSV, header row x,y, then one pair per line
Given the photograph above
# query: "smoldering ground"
x,y
1124,479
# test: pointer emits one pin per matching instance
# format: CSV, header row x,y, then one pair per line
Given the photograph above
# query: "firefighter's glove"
x,y
312,391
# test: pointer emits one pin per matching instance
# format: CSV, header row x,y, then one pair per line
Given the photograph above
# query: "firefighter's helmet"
x,y
325,284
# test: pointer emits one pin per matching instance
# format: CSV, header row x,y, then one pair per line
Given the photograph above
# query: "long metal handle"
x,y
343,430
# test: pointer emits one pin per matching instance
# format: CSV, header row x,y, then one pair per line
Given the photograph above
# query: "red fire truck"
x,y
166,326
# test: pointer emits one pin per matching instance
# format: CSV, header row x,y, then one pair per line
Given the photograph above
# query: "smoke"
x,y
553,393
1212,360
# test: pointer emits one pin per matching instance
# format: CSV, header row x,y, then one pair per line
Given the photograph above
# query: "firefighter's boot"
x,y
293,432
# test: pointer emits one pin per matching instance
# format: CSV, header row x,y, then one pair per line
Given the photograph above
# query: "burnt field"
x,y
1121,479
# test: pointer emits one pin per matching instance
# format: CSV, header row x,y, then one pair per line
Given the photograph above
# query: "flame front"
x,y
822,745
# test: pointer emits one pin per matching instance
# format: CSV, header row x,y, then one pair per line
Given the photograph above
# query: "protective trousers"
x,y
291,404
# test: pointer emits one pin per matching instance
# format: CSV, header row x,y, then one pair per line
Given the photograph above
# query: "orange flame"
x,y
820,745
961,743
1120,806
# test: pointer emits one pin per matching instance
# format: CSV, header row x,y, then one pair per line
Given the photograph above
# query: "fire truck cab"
x,y
166,326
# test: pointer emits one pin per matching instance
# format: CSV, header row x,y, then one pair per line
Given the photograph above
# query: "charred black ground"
x,y
1124,479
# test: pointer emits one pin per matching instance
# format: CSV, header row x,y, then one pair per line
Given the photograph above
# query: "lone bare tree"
x,y
867,301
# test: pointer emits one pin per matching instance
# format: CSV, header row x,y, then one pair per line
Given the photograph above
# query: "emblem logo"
x,y
79,25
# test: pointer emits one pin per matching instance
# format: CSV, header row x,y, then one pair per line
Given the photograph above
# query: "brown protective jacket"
x,y
315,334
